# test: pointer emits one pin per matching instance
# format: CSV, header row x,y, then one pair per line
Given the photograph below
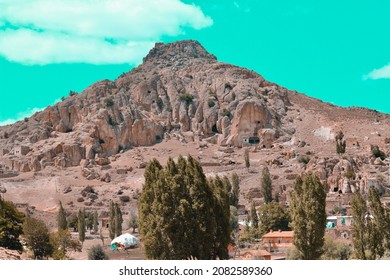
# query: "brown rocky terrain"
x,y
181,100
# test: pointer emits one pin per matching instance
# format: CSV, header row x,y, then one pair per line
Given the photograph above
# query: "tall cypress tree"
x,y
95,222
111,226
370,230
177,212
61,219
235,196
246,159
81,225
266,185
308,216
253,215
340,143
118,220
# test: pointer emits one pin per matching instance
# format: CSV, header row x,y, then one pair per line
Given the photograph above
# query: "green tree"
x,y
266,185
97,253
72,221
133,220
95,222
62,244
253,215
340,143
308,216
10,225
334,250
233,219
181,214
246,159
118,220
61,219
81,225
221,205
37,237
235,195
370,229
272,216
111,225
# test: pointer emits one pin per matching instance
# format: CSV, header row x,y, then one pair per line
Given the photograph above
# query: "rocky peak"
x,y
189,49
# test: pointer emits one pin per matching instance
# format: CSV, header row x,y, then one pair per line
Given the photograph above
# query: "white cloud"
x,y
381,73
20,116
92,31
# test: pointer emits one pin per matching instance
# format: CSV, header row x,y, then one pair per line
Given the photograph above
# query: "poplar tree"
x,y
246,159
340,143
235,195
61,219
95,222
81,225
266,185
308,216
182,214
118,220
371,224
253,215
111,226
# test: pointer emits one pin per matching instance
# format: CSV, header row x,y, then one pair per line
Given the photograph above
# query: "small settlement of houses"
x,y
274,244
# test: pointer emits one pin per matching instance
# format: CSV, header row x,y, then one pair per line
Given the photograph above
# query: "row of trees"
x,y
183,215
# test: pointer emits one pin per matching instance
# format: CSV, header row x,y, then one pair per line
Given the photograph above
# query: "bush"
x,y
160,103
124,198
211,103
187,98
97,253
303,159
109,102
226,113
350,174
376,152
111,121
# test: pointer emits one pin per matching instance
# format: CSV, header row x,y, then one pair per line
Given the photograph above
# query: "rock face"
x,y
180,87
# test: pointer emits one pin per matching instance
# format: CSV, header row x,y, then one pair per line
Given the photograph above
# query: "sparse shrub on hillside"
x,y
109,102
303,159
111,121
226,113
350,174
376,152
211,103
160,103
340,143
124,198
187,98
97,253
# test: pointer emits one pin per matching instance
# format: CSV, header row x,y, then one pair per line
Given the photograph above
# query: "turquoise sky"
x,y
338,51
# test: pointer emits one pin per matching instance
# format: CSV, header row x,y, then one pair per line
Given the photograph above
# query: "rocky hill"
x,y
180,90
92,148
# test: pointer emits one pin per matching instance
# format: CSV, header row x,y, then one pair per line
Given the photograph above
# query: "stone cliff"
x,y
179,88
